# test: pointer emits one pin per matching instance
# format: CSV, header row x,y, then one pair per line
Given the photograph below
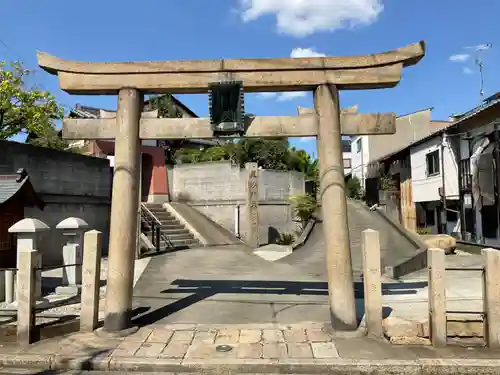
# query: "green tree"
x,y
353,188
24,109
166,109
165,106
50,139
188,155
215,153
267,153
303,207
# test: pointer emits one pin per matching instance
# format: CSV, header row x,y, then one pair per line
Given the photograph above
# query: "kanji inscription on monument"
x,y
252,209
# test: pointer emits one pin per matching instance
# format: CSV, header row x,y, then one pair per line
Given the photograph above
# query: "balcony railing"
x,y
465,176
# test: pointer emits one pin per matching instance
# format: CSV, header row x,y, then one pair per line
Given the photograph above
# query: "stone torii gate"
x,y
324,75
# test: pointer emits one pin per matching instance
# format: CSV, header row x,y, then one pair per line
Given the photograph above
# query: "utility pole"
x,y
480,64
443,181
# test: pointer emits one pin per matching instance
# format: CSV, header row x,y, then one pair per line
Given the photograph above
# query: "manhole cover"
x,y
223,348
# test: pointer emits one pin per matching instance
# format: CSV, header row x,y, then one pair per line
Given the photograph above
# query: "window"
x,y
432,160
347,163
346,145
358,145
429,217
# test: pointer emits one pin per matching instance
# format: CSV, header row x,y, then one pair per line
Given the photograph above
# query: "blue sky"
x,y
126,30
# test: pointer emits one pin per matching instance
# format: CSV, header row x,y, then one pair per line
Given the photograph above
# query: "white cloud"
x,y
467,70
460,57
305,17
480,47
285,96
267,95
306,139
305,52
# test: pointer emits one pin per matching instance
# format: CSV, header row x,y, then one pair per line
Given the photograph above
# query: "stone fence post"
x,y
91,279
437,296
27,231
491,297
2,286
26,290
372,282
72,228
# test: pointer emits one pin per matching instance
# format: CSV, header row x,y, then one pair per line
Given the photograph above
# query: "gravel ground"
x,y
67,305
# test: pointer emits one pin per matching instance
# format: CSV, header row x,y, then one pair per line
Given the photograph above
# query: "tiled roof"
x,y
12,184
9,186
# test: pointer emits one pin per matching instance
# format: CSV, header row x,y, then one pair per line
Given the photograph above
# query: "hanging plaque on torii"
x,y
225,80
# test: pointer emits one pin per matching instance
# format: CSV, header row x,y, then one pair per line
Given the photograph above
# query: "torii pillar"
x,y
334,207
325,75
123,226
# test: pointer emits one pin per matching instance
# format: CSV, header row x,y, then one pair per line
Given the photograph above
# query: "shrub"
x,y
303,207
353,188
286,239
424,231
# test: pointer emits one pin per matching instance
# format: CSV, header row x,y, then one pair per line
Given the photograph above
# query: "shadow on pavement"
x,y
200,290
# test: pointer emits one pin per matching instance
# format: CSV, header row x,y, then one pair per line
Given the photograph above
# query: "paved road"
x,y
393,246
230,285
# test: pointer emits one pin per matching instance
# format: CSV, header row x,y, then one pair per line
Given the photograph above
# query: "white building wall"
x,y
347,156
426,188
360,157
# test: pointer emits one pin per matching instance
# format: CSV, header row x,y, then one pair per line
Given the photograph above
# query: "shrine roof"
x,y
16,185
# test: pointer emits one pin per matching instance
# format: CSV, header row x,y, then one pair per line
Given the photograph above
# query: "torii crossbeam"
x,y
324,75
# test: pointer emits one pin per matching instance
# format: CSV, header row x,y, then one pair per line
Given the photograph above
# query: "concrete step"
x,y
180,231
172,225
162,214
176,243
169,221
182,236
173,231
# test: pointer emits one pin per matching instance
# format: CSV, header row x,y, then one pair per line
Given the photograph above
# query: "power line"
x,y
9,49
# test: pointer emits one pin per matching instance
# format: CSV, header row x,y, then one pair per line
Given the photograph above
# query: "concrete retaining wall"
x,y
217,188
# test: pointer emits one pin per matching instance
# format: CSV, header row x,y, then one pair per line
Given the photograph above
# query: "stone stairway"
x,y
174,235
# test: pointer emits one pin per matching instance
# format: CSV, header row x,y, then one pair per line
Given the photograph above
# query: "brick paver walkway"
x,y
262,348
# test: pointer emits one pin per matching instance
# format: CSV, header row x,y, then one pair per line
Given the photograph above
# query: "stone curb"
x,y
262,366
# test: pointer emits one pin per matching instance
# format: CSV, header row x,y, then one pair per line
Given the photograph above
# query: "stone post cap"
x,y
28,226
489,250
93,232
72,223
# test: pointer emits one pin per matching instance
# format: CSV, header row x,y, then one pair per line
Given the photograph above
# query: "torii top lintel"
x,y
382,70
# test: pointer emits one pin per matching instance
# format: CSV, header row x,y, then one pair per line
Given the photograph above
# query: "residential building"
x,y
476,139
409,129
434,174
347,155
449,181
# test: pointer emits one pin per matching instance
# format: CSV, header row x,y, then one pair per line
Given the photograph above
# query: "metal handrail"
x,y
152,220
150,214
